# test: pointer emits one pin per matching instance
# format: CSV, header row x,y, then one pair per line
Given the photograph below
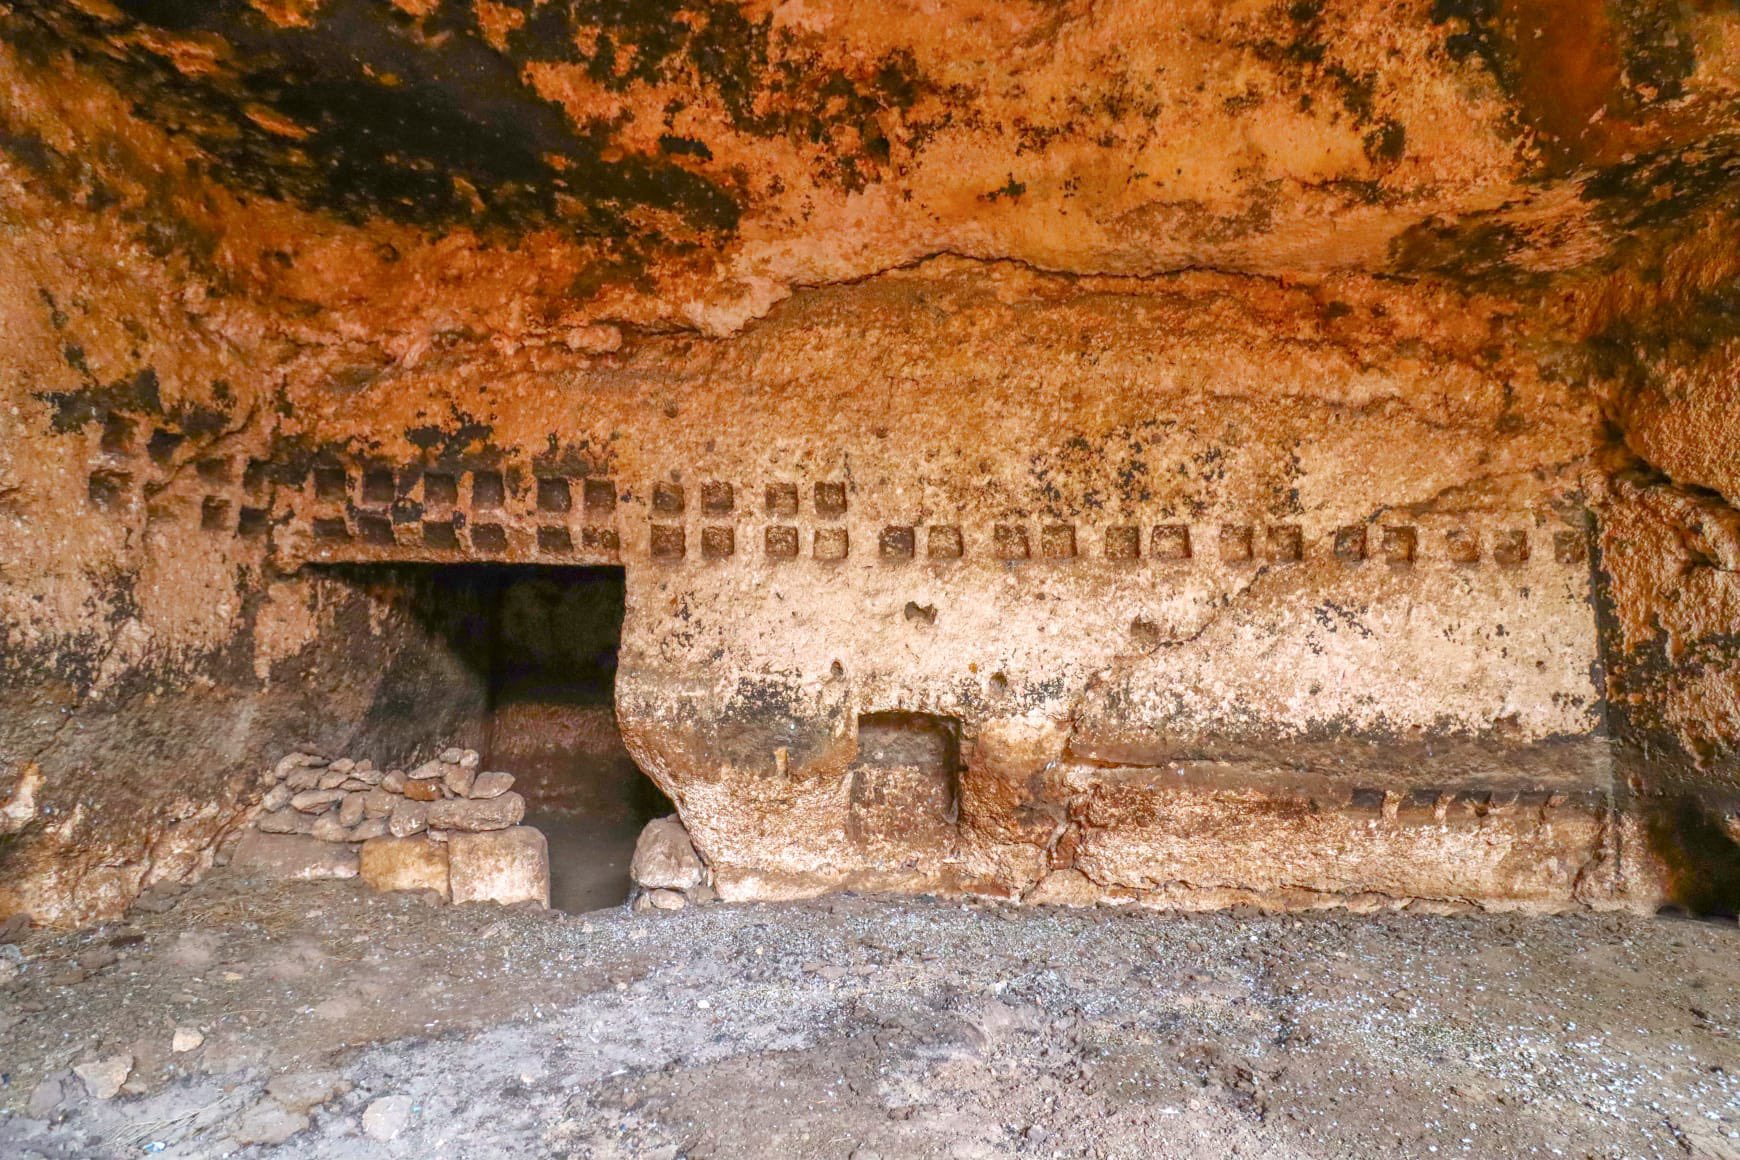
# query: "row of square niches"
x,y
1176,543
1399,545
556,494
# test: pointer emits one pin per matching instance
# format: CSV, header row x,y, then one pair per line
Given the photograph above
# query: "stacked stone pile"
x,y
445,826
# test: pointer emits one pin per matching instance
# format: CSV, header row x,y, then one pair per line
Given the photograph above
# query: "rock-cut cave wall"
x,y
1287,460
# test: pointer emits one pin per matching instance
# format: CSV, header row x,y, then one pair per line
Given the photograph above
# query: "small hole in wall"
x,y
378,486
117,435
553,495
252,521
440,489
331,483
999,683
1144,633
920,613
214,514
163,446
108,489
837,671
215,469
487,489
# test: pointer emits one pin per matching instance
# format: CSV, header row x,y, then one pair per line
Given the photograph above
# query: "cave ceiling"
x,y
692,162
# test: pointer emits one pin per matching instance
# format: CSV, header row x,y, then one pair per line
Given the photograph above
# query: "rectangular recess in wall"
x,y
1124,542
718,541
1171,542
1235,543
599,496
440,489
378,486
1350,544
440,534
1009,542
376,530
896,543
488,491
830,500
331,483
782,500
214,514
831,544
600,539
1400,544
1510,548
553,494
1057,541
943,542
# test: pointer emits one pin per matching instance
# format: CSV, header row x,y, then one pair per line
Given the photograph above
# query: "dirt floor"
x,y
341,1023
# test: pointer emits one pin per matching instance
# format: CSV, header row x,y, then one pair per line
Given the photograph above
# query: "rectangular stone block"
x,y
404,864
503,866
293,856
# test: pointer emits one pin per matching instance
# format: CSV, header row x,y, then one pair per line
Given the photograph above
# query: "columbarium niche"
x,y
1284,461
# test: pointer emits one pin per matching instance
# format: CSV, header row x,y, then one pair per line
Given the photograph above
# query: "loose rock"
x,y
104,1077
458,780
285,821
329,828
408,817
423,791
477,814
314,801
491,784
268,1123
386,1117
303,1091
47,1097
664,858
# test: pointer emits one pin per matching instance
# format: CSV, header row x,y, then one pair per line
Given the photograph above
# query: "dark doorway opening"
x,y
535,647
552,724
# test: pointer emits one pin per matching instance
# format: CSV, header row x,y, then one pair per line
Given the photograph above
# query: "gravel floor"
x,y
334,1022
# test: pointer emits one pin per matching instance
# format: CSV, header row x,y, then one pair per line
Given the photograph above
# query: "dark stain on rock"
x,y
368,111
71,411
